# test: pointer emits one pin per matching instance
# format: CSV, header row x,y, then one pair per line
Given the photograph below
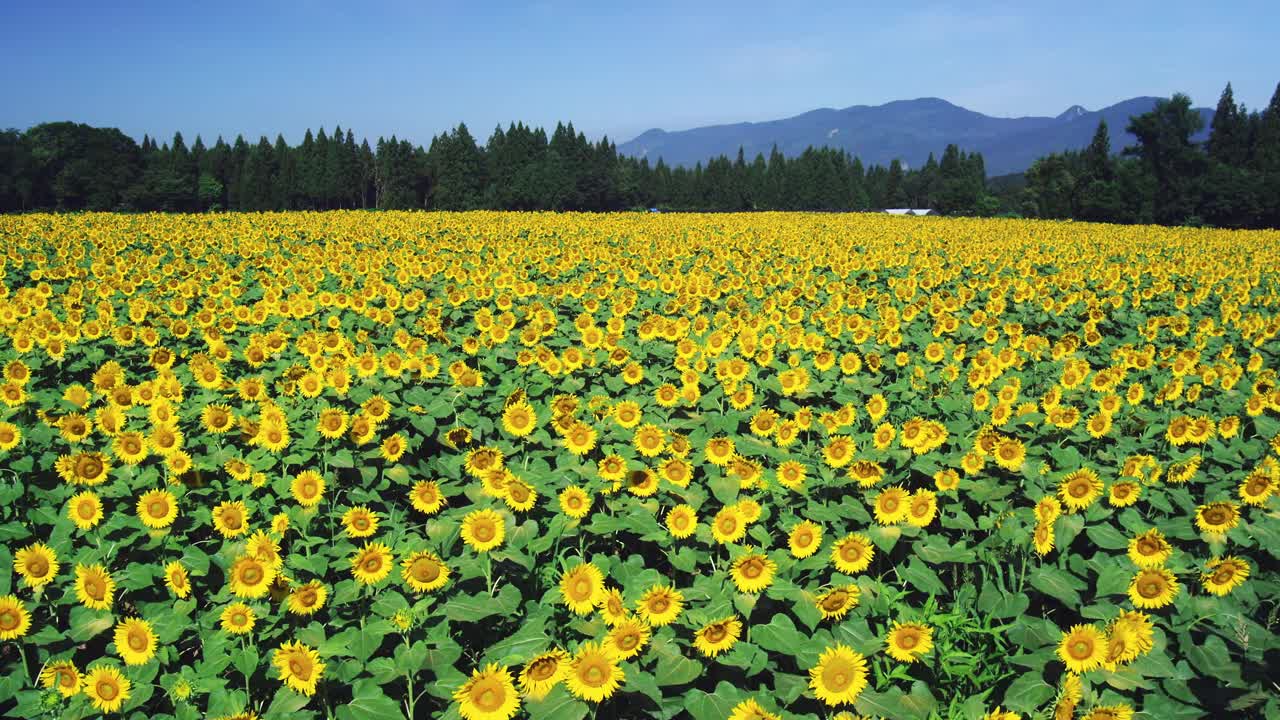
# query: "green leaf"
x,y
369,703
285,703
922,577
712,706
1028,693
557,705
471,608
1057,584
1107,537
779,636
86,623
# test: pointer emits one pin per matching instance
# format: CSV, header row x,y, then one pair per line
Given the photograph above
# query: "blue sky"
x,y
418,68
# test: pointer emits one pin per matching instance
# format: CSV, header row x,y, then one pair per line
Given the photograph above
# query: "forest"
x,y
1231,180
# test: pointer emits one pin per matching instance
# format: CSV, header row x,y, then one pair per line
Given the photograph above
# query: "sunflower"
x,y
543,672
238,618
135,641
10,436
371,564
1124,493
130,447
852,553
393,448
231,519
424,571
728,526
519,419
1048,509
251,577
157,509
575,502
839,677
299,666
332,423
1083,648
836,602
426,497
308,598
175,576
719,451
749,709
582,588
1139,627
94,587
14,618
1217,517
1150,549
805,539
906,642
520,495
1042,539
580,438
488,695
106,687
1010,454
613,609
628,638
998,714
1256,488
892,506
838,451
753,572
1122,646
1225,574
1079,489
63,676
718,636
922,508
1153,588
360,522
660,605
593,673
37,564
307,488
483,530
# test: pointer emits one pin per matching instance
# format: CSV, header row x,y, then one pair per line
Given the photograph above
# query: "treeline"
x,y
68,166
1232,180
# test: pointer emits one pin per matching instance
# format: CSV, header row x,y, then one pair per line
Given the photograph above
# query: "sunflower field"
x,y
484,466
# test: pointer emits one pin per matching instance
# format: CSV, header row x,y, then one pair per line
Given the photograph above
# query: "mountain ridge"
x,y
907,130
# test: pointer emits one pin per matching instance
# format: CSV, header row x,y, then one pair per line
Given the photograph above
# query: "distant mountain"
x,y
904,129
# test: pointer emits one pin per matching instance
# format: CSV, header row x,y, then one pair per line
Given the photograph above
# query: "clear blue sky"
x,y
417,68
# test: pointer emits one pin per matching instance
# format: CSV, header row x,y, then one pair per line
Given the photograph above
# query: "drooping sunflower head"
x,y
718,636
1217,517
836,602
1225,574
543,672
